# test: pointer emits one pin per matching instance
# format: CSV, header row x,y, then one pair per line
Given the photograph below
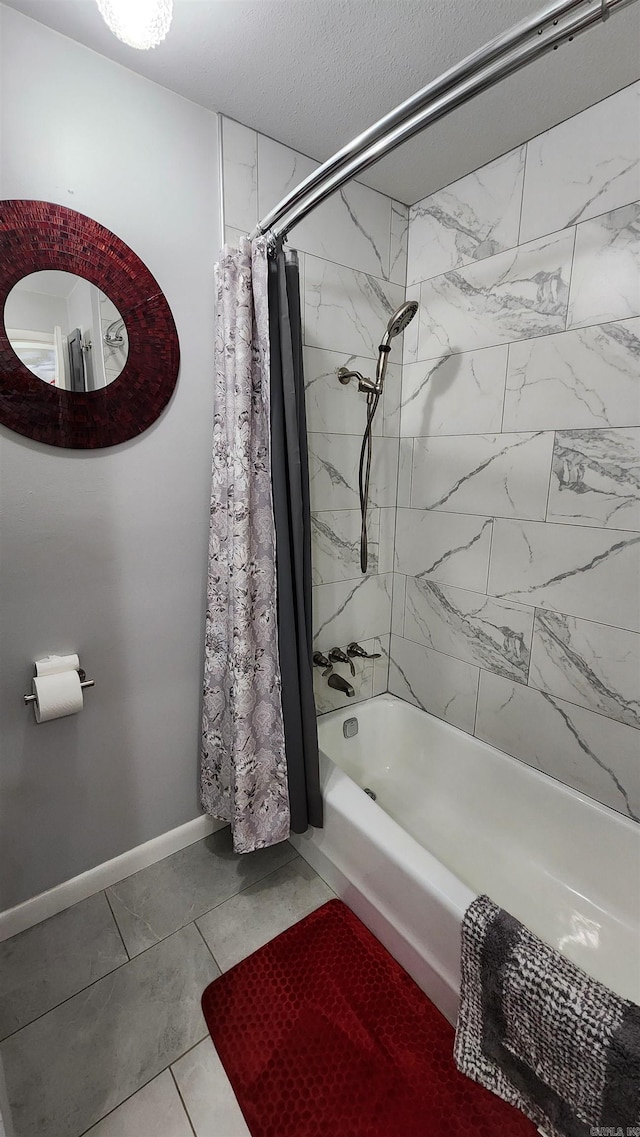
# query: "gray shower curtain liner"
x,y
290,481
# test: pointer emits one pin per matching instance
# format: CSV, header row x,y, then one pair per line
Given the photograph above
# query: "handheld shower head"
x,y
400,319
398,322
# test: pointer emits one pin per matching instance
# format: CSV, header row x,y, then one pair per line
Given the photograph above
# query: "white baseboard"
x,y
54,900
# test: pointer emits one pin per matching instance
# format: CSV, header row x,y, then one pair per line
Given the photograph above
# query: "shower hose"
x,y
364,474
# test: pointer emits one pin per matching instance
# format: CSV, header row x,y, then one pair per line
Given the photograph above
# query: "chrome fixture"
x,y
557,23
339,683
373,389
396,325
350,727
336,655
400,319
354,649
84,683
113,336
321,660
345,376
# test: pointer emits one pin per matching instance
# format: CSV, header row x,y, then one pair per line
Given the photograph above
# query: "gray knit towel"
x,y
538,1031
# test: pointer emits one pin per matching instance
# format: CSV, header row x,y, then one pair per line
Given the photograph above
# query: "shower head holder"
x,y
365,386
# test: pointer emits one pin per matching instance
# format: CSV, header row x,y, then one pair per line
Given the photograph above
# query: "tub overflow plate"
x,y
350,727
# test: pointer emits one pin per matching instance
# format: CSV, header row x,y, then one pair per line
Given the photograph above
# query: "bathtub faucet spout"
x,y
339,683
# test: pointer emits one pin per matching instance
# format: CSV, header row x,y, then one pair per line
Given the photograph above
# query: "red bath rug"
x,y
322,1034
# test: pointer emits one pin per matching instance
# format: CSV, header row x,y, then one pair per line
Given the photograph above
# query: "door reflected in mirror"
x,y
66,331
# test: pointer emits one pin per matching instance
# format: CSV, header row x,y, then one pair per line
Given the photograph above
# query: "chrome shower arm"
x,y
366,386
113,335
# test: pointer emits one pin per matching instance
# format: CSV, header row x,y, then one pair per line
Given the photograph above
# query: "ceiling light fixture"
x,y
138,23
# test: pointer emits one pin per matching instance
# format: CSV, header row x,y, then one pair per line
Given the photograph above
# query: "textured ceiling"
x,y
314,73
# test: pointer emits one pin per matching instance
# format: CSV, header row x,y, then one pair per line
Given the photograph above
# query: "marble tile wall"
x,y
353,263
516,590
504,535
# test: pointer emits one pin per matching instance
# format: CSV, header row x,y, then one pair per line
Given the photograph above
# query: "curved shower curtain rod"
x,y
559,22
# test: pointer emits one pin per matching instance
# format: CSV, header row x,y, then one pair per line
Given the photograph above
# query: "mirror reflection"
x,y
66,331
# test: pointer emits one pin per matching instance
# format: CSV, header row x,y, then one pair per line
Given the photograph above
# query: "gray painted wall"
x,y
104,552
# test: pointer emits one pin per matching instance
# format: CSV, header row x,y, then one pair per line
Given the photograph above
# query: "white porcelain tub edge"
x,y
379,871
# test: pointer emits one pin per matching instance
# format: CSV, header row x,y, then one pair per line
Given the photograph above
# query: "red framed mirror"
x,y
55,400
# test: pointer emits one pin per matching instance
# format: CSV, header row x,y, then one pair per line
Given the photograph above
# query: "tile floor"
x,y
100,1023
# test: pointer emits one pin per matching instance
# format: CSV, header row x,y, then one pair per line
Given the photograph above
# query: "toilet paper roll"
x,y
53,664
57,695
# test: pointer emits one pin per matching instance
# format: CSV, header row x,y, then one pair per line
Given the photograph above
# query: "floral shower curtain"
x,y
243,767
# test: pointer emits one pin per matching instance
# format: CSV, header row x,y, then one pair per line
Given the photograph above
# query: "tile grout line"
x,y
523,339
511,248
148,1083
395,516
468,663
579,706
258,880
503,154
124,1100
68,999
404,603
547,520
209,949
561,524
258,215
477,707
521,682
540,134
486,583
184,1104
218,903
351,268
533,636
116,922
424,509
524,181
504,396
390,241
505,597
206,1035
82,990
220,141
571,271
132,959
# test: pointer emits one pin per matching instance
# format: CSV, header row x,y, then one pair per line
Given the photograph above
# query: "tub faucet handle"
x,y
355,649
338,656
321,660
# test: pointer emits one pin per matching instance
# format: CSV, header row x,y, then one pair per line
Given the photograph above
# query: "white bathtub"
x,y
455,817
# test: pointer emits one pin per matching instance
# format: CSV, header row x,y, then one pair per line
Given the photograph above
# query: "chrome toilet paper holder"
x,y
84,683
